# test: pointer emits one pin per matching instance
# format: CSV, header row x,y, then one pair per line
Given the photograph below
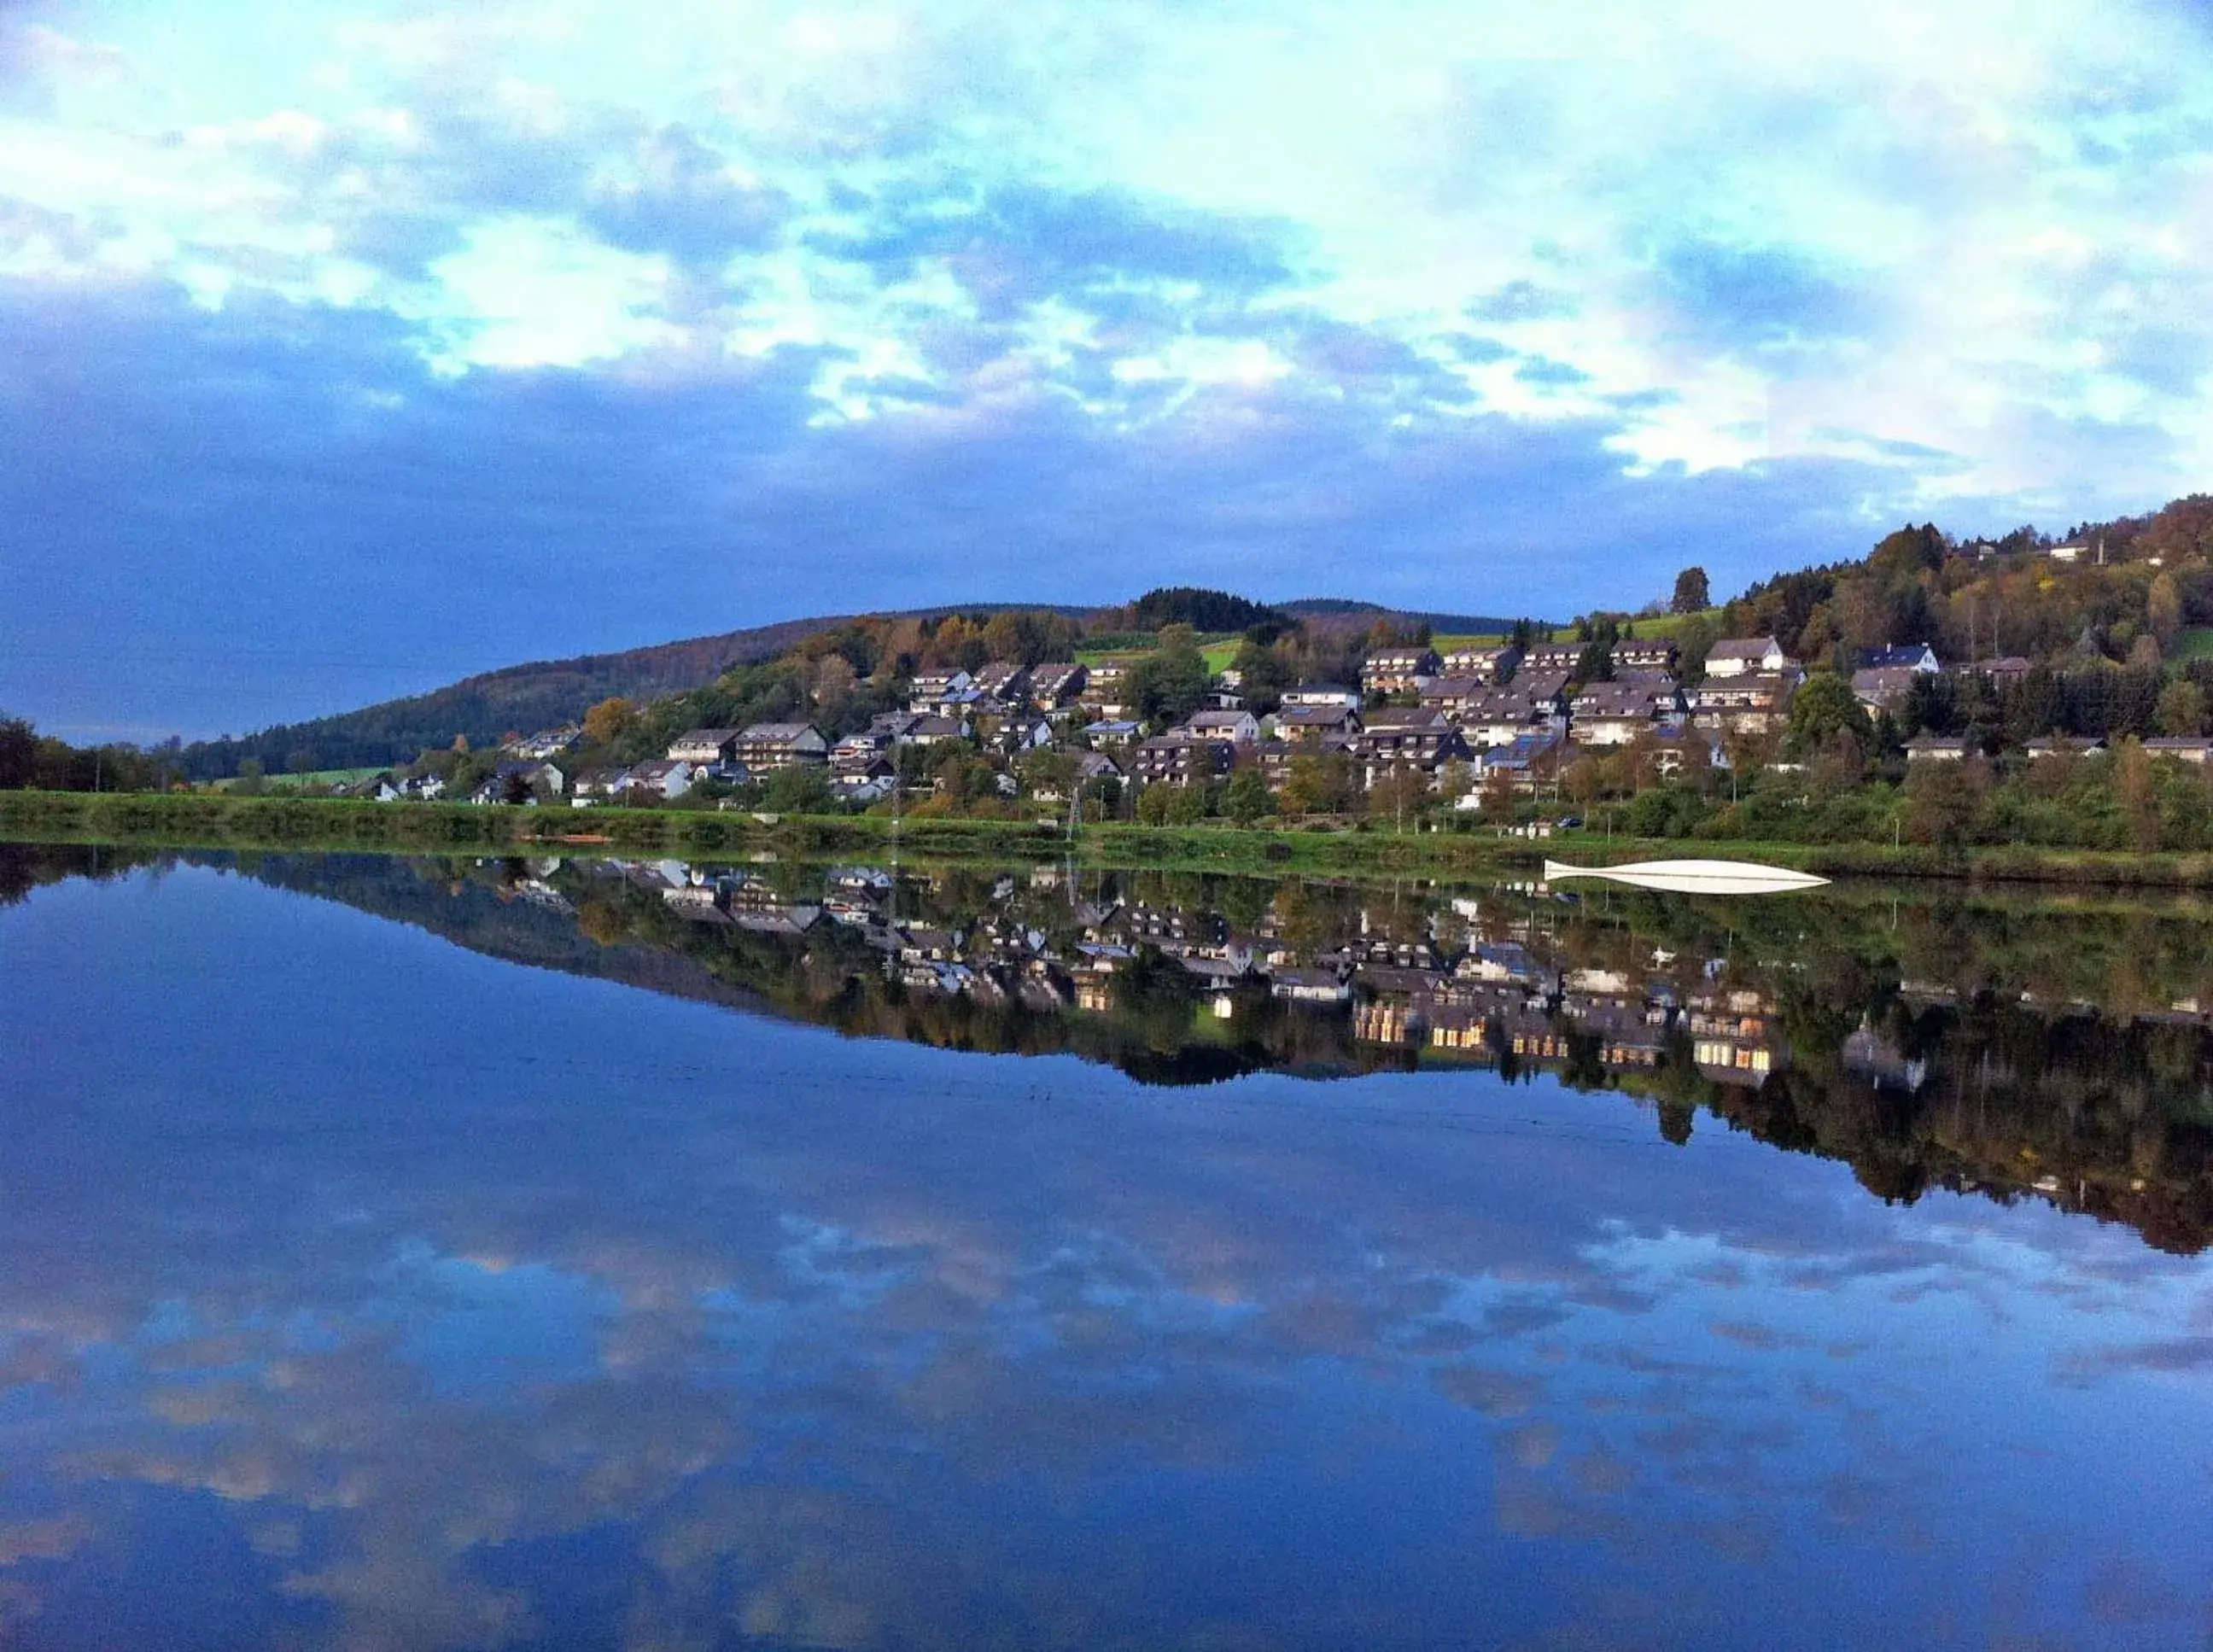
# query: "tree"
x,y
1824,706
609,721
1398,795
1943,801
2137,790
19,748
1263,676
2163,609
1693,591
1318,785
1169,686
802,789
2181,708
1247,798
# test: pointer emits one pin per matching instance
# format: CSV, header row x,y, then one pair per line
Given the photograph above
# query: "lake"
x,y
410,1255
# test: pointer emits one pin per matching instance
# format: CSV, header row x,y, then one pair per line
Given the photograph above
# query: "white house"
x,y
664,778
1738,657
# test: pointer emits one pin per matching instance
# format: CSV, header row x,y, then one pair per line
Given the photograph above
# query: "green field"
x,y
206,820
1218,650
312,777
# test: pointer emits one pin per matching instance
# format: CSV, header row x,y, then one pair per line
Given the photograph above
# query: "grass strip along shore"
x,y
206,821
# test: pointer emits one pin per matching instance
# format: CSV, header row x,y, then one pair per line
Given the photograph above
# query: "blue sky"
x,y
355,347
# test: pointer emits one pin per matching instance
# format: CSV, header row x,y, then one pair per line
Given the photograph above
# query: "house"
x,y
1324,694
2005,673
1741,656
2060,746
531,779
863,786
1527,758
1311,724
1614,714
1544,683
2074,552
1276,757
425,788
1498,717
1679,751
1096,765
663,778
1238,727
889,725
1398,671
1451,695
1182,759
1002,680
547,743
702,747
1902,656
1113,732
861,749
1106,688
377,789
930,688
1565,658
1631,654
933,731
2185,748
1492,662
1936,748
1052,686
1016,736
1748,703
1400,739
1884,688
766,747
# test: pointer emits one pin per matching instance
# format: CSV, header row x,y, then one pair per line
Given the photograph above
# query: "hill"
x,y
1337,613
541,694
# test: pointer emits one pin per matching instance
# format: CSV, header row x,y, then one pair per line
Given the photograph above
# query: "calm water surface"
x,y
529,1255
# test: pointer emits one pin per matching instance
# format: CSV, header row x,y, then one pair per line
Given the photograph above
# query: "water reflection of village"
x,y
2025,1049
1474,980
2040,1053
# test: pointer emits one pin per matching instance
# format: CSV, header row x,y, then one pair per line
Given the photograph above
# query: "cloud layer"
x,y
757,309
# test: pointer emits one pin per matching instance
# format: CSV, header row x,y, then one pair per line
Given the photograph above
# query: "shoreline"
x,y
201,820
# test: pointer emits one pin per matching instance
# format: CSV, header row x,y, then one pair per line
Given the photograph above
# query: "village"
x,y
1484,730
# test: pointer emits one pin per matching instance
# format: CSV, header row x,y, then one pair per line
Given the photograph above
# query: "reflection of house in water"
x,y
1868,1054
1391,1003
1731,1039
699,903
756,906
1630,1031
1044,988
1313,984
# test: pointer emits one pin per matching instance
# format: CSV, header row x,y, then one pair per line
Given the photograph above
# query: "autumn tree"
x,y
1693,591
609,721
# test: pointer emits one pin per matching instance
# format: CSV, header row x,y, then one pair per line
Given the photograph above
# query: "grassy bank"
x,y
220,821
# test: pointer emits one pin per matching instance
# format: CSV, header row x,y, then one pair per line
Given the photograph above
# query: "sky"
x,y
345,349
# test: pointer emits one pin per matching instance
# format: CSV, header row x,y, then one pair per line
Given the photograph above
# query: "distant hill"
x,y
1346,609
522,698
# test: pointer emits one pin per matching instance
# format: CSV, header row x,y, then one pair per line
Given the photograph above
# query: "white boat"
x,y
1693,877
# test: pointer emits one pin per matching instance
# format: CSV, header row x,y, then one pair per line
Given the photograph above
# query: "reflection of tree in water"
x,y
2005,1047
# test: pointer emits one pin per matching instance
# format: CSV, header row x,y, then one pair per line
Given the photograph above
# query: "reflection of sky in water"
x,y
362,1284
